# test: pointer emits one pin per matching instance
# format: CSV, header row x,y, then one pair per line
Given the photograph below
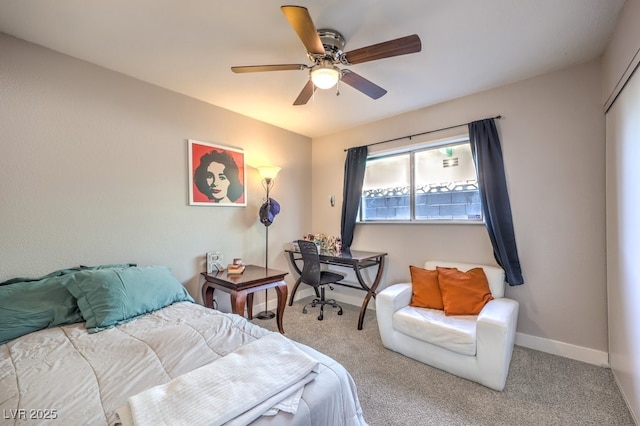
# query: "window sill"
x,y
420,222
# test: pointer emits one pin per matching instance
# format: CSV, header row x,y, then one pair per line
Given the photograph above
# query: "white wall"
x,y
623,202
553,137
93,169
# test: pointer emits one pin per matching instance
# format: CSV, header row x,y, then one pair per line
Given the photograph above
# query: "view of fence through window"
x,y
429,184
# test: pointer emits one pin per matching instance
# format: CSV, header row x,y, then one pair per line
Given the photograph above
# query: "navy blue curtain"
x,y
487,154
354,167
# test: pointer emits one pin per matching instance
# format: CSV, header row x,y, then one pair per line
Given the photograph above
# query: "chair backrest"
x,y
495,274
311,267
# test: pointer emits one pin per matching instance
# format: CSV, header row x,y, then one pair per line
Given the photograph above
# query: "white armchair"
x,y
475,347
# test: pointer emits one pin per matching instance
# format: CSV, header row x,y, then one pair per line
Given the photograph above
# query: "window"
x,y
436,183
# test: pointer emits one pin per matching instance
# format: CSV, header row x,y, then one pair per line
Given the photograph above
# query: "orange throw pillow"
x,y
426,291
463,293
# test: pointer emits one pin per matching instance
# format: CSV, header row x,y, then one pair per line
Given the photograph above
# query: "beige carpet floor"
x,y
542,389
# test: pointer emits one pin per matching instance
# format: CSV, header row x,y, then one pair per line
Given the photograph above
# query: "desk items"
x,y
324,242
235,268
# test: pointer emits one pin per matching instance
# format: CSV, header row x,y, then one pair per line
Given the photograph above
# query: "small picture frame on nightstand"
x,y
214,262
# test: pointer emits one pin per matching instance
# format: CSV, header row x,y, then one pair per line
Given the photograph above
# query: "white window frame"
x,y
411,150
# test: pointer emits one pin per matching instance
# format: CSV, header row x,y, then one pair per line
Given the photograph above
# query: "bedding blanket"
x,y
64,375
260,374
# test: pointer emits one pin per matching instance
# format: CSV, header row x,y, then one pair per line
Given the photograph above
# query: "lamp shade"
x,y
268,172
325,76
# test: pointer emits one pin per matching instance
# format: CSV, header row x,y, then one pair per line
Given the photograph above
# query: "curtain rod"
x,y
497,117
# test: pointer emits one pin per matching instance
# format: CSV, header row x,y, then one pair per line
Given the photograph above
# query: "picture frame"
x,y
216,175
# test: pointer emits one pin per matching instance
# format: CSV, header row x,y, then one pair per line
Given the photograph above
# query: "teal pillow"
x,y
29,306
67,271
110,266
32,279
108,297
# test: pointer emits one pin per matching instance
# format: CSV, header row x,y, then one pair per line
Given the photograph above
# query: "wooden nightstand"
x,y
241,288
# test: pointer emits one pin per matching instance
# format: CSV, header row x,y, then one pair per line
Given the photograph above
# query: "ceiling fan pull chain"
x,y
338,88
313,90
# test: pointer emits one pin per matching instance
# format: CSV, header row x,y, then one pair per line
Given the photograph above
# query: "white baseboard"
x,y
567,350
303,292
341,297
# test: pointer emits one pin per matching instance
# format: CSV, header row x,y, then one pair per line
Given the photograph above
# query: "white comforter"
x,y
64,375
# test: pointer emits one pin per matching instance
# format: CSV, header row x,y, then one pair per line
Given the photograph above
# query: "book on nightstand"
x,y
233,269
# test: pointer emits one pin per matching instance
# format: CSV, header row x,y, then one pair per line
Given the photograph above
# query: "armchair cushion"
x,y
463,293
455,333
425,288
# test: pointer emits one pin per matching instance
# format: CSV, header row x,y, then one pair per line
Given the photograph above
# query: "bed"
x,y
121,344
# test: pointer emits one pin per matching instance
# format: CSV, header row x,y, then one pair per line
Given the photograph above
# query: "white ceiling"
x,y
188,46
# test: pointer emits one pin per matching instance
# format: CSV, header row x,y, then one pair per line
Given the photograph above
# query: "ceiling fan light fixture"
x,y
325,75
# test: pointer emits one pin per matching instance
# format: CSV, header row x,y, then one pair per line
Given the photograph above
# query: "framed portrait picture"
x,y
216,175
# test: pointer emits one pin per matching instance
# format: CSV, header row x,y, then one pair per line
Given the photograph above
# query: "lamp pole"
x,y
266,314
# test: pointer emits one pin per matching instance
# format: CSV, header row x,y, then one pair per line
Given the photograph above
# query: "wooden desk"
x,y
355,259
241,288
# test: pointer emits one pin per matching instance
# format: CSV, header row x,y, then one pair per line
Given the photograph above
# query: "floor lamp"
x,y
268,210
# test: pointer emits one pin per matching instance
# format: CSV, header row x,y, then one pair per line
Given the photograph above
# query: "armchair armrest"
x,y
394,297
499,313
388,301
495,334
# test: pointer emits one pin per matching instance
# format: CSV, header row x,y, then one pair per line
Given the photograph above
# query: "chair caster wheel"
x,y
320,317
304,311
340,312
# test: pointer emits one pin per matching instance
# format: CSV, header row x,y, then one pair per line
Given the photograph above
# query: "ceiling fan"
x,y
325,50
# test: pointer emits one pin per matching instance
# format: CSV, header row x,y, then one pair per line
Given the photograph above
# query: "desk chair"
x,y
314,276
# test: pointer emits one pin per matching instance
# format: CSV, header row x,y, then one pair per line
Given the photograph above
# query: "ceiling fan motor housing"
x,y
333,44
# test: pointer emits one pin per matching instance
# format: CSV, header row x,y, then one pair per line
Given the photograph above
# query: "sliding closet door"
x,y
623,239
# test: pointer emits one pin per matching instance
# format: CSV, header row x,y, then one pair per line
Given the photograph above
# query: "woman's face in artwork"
x,y
217,181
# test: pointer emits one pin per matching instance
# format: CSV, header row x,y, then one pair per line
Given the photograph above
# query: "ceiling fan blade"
x,y
305,94
303,25
362,84
387,49
260,68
